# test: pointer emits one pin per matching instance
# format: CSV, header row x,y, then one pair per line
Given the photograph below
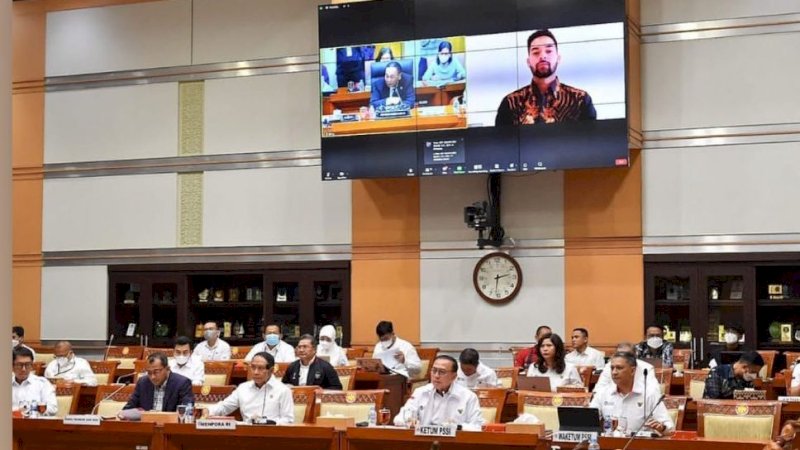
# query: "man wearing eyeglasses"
x,y
442,401
27,387
69,367
160,390
264,397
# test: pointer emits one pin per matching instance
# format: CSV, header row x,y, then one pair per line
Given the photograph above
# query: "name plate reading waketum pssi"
x,y
573,436
436,430
215,424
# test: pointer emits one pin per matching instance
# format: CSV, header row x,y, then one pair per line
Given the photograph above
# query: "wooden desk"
x,y
351,102
52,434
401,439
185,437
670,444
396,385
409,123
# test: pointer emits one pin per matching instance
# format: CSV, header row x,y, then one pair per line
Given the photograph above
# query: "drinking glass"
x,y
41,407
181,413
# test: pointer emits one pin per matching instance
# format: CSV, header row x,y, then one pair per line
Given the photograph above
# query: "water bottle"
x,y
593,445
189,415
372,417
607,425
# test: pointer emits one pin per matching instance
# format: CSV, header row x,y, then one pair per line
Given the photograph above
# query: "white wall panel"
x,y
237,30
288,206
75,302
713,82
674,11
721,190
137,211
266,113
531,208
112,38
451,311
111,123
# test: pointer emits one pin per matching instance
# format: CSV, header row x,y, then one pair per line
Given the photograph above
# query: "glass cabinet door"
x,y
672,300
728,293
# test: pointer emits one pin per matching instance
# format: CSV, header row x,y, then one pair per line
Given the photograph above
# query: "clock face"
x,y
497,277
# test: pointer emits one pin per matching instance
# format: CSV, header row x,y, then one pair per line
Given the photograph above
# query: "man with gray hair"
x,y
69,367
605,379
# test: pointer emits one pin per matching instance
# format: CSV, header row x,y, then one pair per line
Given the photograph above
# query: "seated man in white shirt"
x,y
397,354
18,339
264,397
794,388
442,401
212,348
274,345
605,379
582,354
27,387
629,402
186,364
69,367
472,373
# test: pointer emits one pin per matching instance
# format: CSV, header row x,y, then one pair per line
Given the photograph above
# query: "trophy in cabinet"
x,y
219,296
233,295
202,296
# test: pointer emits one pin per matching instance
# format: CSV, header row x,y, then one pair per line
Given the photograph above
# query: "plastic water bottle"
x,y
189,415
593,445
372,417
607,431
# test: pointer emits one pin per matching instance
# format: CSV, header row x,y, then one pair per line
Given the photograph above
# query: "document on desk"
x,y
389,361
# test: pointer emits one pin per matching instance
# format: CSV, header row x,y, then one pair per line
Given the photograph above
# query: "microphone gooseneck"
x,y
660,399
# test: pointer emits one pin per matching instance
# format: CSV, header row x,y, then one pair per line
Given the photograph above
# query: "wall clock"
x,y
497,278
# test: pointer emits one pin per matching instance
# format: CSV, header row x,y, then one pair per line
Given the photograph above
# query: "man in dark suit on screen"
x,y
160,390
394,90
309,370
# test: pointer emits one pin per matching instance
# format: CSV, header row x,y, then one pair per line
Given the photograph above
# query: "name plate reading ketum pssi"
x,y
82,419
435,430
789,398
573,436
215,424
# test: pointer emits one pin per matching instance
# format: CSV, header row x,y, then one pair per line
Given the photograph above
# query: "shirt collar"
x,y
552,89
164,384
27,381
309,363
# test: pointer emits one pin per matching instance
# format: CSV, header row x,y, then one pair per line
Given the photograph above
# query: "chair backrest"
x,y
44,353
491,401
218,373
205,396
676,407
67,395
355,404
347,376
426,356
239,352
38,368
664,377
104,371
355,352
139,369
304,402
681,359
544,405
769,363
791,358
507,376
126,355
170,352
280,368
112,405
787,380
694,383
586,374
563,389
732,419
377,69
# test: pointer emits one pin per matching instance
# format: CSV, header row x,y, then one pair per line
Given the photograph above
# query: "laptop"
x,y
370,365
325,358
540,384
579,419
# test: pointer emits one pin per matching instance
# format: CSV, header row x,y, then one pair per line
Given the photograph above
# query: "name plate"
x,y
436,430
788,398
573,436
215,424
82,419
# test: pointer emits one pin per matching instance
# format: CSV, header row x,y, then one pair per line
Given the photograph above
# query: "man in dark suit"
x,y
160,390
394,89
309,370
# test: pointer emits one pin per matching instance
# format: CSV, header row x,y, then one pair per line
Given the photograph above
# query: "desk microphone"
x,y
130,375
94,408
108,347
644,404
660,399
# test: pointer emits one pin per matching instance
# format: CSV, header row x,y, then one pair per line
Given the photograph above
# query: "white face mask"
x,y
14,343
181,359
325,345
443,59
731,338
654,342
386,344
62,361
209,334
750,377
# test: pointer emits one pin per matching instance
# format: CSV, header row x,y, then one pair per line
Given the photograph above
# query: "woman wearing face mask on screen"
x,y
446,68
327,346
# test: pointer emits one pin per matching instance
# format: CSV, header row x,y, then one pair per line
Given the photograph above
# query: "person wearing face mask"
x,y
212,348
69,367
726,378
186,364
654,346
729,350
274,345
446,68
327,346
18,339
405,358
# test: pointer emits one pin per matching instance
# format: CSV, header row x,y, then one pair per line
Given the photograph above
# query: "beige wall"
x,y
5,211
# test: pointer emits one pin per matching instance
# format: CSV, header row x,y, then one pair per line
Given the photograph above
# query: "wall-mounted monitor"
x,y
449,87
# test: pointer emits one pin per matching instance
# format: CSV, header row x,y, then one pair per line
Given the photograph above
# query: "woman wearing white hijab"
x,y
327,347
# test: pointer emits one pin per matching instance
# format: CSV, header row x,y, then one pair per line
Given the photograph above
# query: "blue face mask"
x,y
272,339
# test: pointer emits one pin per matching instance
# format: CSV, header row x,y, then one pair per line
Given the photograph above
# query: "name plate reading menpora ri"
x,y
215,424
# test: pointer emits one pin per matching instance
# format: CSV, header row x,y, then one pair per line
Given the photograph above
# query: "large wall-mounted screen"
x,y
448,87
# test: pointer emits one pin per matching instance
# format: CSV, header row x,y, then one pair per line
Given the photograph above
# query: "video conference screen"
x,y
449,87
